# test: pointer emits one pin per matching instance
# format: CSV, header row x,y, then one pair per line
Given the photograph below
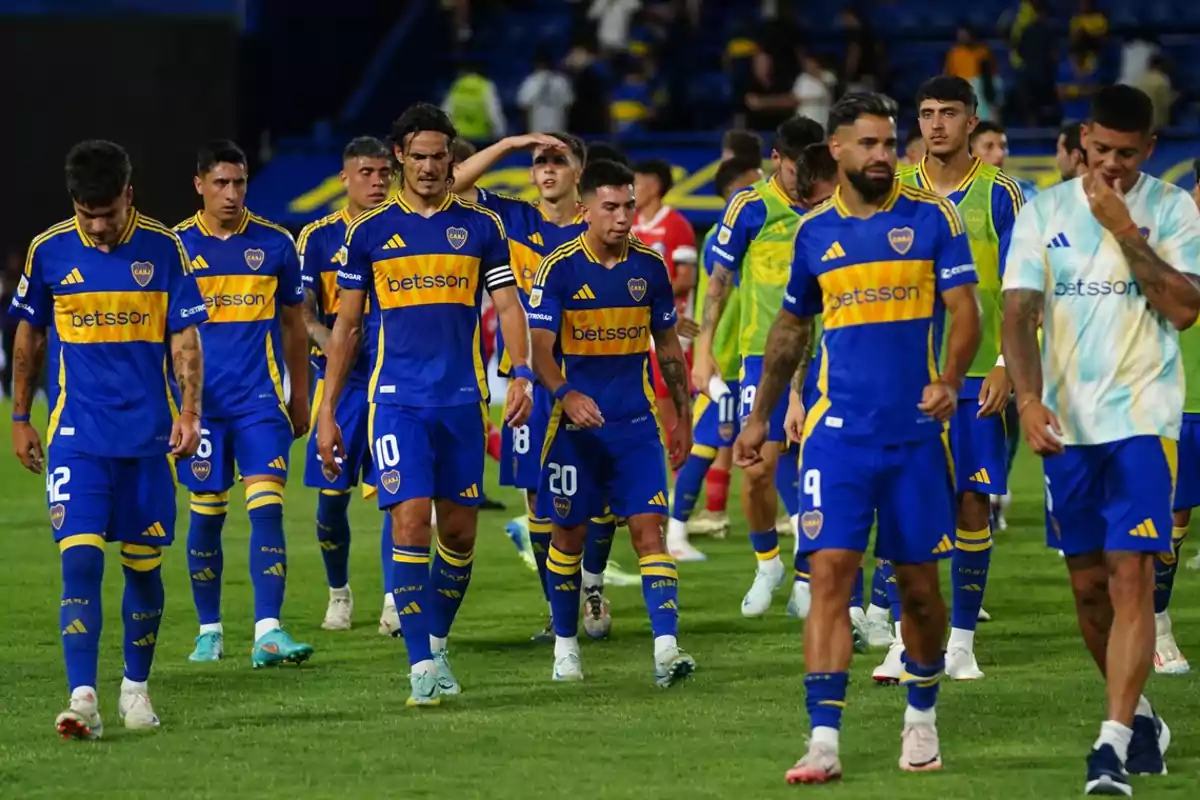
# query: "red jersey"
x,y
670,234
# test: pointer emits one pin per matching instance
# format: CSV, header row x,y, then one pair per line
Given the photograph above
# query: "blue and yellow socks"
x,y
451,577
539,542
410,576
563,580
79,616
1164,570
968,578
205,558
660,590
765,544
879,595
922,681
333,535
385,559
597,545
141,607
825,700
690,480
268,553
856,593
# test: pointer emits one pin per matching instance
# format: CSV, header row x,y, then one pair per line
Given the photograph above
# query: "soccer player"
x,y
367,178
988,202
115,290
742,145
428,388
248,271
754,243
598,301
1102,398
879,263
1069,152
989,143
914,147
716,421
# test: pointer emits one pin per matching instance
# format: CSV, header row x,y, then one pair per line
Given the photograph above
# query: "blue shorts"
x,y
352,417
1187,484
905,490
1114,496
521,448
716,424
260,443
751,376
436,453
587,471
980,447
130,500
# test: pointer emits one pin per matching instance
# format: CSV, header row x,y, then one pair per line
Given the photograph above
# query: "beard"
x,y
871,189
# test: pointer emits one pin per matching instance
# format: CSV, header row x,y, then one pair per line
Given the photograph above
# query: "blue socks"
x,y
141,607
825,698
563,580
79,616
451,577
1164,570
879,595
968,576
539,541
787,481
690,480
410,576
765,544
385,552
922,681
333,534
660,590
856,594
598,544
205,558
891,590
268,551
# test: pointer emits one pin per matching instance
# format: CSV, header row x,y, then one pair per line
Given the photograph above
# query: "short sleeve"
x,y
354,260
953,264
547,295
494,257
1026,267
662,299
1007,200
291,285
1179,236
743,217
33,301
185,306
802,297
310,260
683,242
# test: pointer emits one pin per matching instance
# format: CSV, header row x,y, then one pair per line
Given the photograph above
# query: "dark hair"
x,y
987,126
1196,169
913,135
366,147
948,89
743,143
605,151
98,172
1070,133
733,168
853,105
604,173
796,134
573,143
816,165
420,117
218,151
461,149
658,168
1123,108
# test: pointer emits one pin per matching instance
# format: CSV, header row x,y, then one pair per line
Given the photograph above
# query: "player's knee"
x,y
645,532
920,592
974,511
831,574
568,539
1131,577
411,523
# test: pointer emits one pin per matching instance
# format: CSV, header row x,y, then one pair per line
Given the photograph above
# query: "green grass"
x,y
338,728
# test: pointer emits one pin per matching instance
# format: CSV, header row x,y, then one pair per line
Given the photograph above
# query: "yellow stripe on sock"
x,y
81,540
453,558
401,557
140,557
539,525
263,493
335,492
834,703
209,504
604,519
562,563
973,541
704,451
657,558
767,556
660,572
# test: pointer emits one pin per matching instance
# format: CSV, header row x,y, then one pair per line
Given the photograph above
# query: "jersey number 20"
x,y
562,479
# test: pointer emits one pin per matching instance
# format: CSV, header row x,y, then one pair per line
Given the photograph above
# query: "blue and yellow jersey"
x,y
319,245
110,317
426,276
743,218
604,319
531,237
243,280
877,283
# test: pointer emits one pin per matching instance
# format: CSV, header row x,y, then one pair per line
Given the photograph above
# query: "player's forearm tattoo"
x,y
788,353
318,333
719,284
1022,354
187,357
1168,290
673,366
29,350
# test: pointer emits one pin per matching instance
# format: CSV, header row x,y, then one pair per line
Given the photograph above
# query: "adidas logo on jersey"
x,y
835,251
277,569
73,277
585,293
659,499
394,243
1145,530
981,477
537,239
1059,241
155,531
199,263
278,463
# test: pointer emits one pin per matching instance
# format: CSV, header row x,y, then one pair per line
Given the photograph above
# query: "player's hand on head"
x,y
939,400
185,435
28,447
329,446
747,448
1042,429
533,140
1106,202
300,416
582,410
793,424
994,394
687,328
518,404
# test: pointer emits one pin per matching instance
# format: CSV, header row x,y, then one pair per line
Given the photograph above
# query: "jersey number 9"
x,y
812,486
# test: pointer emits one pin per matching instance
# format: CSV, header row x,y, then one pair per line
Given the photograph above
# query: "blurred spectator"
x,y
10,278
914,147
545,95
462,17
813,89
636,99
1069,152
989,91
474,105
768,100
865,65
592,82
1034,52
1156,83
612,18
1136,51
741,144
1088,22
965,58
1078,79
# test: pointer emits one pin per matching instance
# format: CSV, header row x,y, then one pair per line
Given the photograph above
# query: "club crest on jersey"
x,y
901,240
535,297
23,286
342,255
142,271
201,469
390,481
974,218
811,522
723,235
58,513
457,237
562,506
637,288
255,258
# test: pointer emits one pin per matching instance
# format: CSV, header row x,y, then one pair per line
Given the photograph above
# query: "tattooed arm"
x,y
1022,354
317,332
806,356
788,353
1170,292
673,366
188,360
29,350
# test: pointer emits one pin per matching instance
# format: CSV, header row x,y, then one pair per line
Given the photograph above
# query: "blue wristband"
x,y
561,391
20,418
523,372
